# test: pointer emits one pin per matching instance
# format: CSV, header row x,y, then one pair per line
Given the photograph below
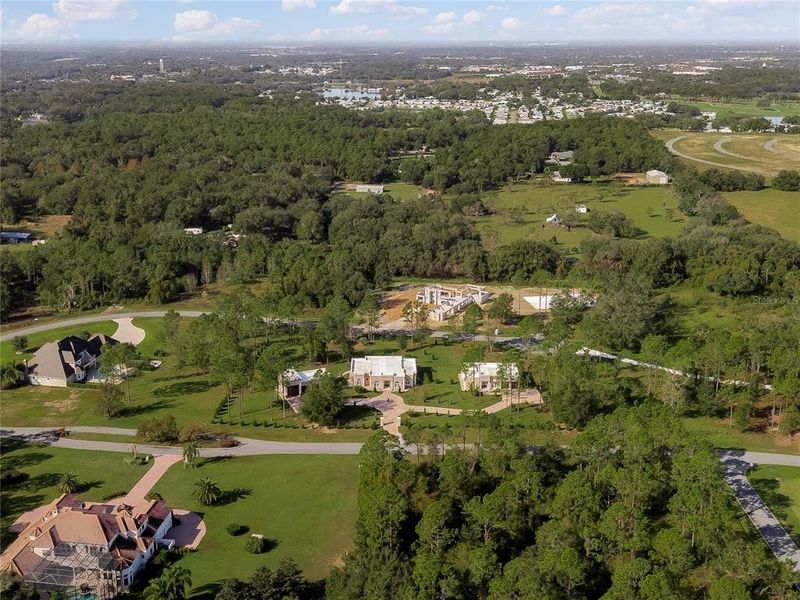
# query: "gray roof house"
x,y
67,360
16,237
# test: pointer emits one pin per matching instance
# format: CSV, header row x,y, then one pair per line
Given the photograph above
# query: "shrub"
x,y
228,443
193,432
235,529
256,544
159,429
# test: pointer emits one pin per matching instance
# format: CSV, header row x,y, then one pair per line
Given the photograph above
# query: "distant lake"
x,y
348,94
775,120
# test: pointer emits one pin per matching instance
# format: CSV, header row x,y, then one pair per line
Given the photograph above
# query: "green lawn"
x,y
748,109
537,427
306,505
36,340
193,398
771,208
779,487
519,211
722,435
101,473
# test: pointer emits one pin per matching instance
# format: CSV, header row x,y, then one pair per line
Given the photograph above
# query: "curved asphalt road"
x,y
251,447
735,465
674,140
246,447
94,319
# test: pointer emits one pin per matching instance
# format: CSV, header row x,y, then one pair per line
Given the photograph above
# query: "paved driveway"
x,y
127,332
736,465
94,319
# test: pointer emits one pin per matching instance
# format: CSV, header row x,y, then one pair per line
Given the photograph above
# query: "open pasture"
x,y
519,211
772,208
749,109
764,153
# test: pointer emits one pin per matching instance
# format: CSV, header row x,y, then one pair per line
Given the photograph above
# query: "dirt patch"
x,y
393,303
337,562
395,299
65,404
786,441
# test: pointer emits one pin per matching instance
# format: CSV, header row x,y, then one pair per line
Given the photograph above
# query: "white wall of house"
x,y
48,381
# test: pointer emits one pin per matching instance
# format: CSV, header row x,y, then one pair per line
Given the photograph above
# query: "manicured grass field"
x,y
779,487
748,109
101,473
193,398
722,435
305,505
520,211
751,151
771,208
538,427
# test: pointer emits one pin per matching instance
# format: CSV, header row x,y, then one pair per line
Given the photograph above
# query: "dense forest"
x,y
137,164
634,509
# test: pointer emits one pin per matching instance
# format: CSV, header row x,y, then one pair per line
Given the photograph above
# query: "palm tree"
x,y
68,483
190,454
206,492
156,589
9,375
171,585
177,579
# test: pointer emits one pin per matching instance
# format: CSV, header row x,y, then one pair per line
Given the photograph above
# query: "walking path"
x,y
127,332
670,147
161,463
736,465
629,361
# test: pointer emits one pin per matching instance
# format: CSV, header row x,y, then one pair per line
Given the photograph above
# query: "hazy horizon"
x,y
396,22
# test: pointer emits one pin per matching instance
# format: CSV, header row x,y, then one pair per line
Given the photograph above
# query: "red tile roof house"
x,y
88,548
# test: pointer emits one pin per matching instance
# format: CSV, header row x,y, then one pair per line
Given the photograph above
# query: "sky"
x,y
400,21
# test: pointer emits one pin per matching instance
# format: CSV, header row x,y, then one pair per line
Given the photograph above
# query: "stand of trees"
x,y
635,508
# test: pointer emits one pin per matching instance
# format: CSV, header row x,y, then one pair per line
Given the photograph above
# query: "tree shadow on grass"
x,y
231,496
140,409
768,489
182,389
41,481
206,591
214,459
85,486
425,374
351,414
24,460
174,377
